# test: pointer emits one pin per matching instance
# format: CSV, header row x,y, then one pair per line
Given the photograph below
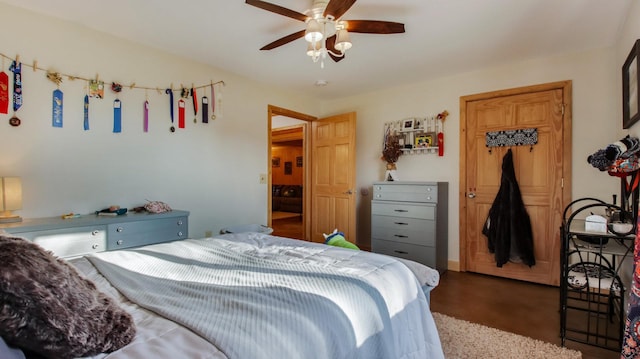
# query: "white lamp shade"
x,y
313,33
313,50
343,43
11,193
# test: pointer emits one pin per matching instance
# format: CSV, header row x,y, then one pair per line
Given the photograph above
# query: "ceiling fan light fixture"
x,y
313,33
343,42
313,51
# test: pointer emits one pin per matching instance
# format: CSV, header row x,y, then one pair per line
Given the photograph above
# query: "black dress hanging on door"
x,y
508,226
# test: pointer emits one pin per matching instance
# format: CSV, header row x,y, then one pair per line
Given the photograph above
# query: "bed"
x,y
253,295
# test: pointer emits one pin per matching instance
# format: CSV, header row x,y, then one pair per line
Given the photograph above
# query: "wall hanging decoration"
x,y
418,135
170,93
181,113
95,88
117,116
16,68
4,90
205,109
508,138
56,112
85,122
145,114
630,93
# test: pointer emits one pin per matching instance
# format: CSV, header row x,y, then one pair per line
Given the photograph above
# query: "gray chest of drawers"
x,y
91,233
409,220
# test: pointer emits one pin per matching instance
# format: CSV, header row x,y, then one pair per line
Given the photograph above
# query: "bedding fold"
x,y
238,293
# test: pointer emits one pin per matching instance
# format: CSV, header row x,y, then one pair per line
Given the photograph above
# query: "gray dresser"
x,y
409,220
92,233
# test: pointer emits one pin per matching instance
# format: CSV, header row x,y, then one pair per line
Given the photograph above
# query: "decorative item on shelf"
x,y
390,153
11,192
440,136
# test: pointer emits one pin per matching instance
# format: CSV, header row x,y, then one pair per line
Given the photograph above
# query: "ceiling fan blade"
x,y
277,9
374,27
283,41
337,8
331,46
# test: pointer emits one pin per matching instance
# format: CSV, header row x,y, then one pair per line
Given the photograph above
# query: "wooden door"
x,y
543,172
333,176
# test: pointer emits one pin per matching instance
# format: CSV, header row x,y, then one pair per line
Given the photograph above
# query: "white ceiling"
x,y
442,36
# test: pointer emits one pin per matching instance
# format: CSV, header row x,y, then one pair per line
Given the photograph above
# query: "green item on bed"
x,y
337,239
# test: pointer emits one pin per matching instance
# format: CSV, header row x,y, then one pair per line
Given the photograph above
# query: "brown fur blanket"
x,y
46,307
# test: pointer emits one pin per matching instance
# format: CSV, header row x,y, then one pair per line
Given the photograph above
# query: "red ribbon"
x,y
181,113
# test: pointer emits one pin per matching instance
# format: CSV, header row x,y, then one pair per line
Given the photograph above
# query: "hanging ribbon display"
x,y
145,121
4,92
86,113
117,116
213,102
181,113
16,68
194,98
205,109
170,93
56,118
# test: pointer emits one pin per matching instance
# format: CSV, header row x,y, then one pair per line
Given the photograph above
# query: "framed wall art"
x,y
630,94
275,162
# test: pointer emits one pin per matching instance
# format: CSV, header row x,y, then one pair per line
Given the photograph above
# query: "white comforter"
x,y
257,296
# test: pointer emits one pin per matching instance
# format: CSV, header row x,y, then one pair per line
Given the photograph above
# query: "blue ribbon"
x,y
56,117
16,68
86,112
117,116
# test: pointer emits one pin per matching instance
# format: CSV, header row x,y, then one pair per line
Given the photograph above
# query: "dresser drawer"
x,y
421,254
140,233
405,230
406,210
405,192
70,242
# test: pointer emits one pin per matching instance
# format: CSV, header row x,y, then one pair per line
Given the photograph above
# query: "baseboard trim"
x,y
453,266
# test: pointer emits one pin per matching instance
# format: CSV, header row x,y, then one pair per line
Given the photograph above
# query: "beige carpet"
x,y
461,339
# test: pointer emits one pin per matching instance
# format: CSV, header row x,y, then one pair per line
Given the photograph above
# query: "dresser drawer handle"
x,y
95,232
119,229
119,242
400,236
401,210
401,223
95,246
179,223
401,252
180,234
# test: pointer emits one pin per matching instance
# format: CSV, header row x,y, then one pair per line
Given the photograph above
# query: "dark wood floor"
x,y
519,307
288,227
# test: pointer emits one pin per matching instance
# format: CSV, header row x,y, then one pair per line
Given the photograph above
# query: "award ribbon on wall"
x,y
181,113
4,92
205,109
170,93
213,102
86,113
117,116
16,68
56,118
194,98
145,121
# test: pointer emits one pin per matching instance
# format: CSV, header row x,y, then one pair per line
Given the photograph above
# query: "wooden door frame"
x,y
565,86
306,143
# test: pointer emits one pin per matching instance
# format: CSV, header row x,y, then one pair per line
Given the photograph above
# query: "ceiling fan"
x,y
326,32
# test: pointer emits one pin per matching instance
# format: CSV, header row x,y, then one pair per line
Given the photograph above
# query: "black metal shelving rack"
x,y
592,295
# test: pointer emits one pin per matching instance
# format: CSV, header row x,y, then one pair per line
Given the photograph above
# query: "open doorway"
x,y
289,192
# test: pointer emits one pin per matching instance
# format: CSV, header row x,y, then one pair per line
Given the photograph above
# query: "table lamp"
x,y
10,199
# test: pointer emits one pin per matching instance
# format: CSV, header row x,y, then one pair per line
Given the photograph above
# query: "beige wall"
x,y
211,170
596,100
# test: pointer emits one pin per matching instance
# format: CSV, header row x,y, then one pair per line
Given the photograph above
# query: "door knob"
x,y
471,195
348,192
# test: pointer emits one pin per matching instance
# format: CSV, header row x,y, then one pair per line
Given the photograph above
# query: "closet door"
x,y
541,170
